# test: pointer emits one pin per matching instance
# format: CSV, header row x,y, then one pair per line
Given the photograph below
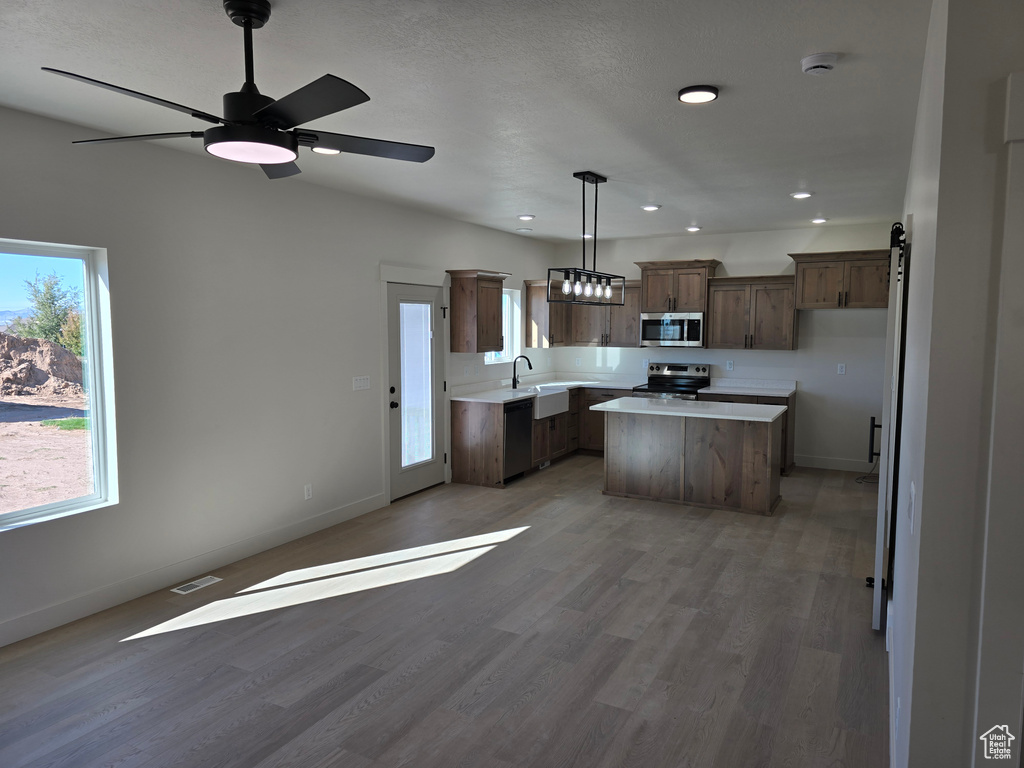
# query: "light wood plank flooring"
x,y
611,632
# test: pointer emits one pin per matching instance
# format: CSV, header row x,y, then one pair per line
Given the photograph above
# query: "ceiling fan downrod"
x,y
240,106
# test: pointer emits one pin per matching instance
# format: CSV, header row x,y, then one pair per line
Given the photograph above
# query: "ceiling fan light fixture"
x,y
250,144
698,94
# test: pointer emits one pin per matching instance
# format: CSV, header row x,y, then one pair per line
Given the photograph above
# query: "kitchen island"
x,y
707,454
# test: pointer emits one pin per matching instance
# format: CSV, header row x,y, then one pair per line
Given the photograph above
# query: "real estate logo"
x,y
997,742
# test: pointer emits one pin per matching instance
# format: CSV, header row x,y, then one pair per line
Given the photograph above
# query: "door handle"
x,y
394,404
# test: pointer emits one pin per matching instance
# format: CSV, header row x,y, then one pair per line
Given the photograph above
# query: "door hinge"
x,y
446,458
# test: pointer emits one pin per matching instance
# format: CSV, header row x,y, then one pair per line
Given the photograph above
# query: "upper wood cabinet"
x,y
842,279
547,324
557,324
476,310
608,326
751,313
675,286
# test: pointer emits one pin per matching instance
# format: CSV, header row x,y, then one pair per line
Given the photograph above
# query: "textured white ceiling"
x,y
518,96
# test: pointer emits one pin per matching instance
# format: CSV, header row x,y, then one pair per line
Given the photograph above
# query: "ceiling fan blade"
x,y
396,150
138,95
280,170
143,137
325,96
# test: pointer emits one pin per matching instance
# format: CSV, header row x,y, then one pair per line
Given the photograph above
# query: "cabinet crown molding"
x,y
875,253
683,264
479,273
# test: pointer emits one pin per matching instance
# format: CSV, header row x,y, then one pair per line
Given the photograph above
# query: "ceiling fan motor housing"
x,y
255,11
240,106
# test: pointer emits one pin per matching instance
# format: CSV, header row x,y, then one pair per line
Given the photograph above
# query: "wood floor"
x,y
611,632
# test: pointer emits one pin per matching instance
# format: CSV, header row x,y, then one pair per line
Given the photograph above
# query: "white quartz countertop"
x,y
692,408
507,394
762,387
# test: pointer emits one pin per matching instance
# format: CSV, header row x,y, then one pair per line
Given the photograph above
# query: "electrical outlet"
x,y
465,370
307,491
728,365
646,363
913,504
360,382
577,362
841,369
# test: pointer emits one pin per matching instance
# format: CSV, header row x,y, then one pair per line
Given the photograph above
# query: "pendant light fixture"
x,y
579,285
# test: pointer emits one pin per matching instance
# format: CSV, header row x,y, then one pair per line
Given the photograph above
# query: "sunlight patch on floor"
x,y
370,573
387,558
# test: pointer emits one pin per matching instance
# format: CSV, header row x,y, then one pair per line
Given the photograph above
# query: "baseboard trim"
x,y
828,462
94,601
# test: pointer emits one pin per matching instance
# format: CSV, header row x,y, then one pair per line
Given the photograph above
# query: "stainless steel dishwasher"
x,y
518,437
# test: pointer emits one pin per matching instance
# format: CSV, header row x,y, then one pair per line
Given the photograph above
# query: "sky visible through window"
x,y
15,269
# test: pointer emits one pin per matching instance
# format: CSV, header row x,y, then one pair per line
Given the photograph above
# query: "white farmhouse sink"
x,y
547,401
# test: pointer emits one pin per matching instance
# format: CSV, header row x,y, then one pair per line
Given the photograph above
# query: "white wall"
x,y
241,310
833,412
956,624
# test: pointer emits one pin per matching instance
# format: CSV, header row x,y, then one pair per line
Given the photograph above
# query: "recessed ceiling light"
x,y
326,151
523,229
694,228
800,195
698,94
588,236
651,207
526,217
819,220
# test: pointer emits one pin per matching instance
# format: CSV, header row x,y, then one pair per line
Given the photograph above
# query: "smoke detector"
x,y
818,63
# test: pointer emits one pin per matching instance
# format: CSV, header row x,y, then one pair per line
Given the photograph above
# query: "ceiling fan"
x,y
260,130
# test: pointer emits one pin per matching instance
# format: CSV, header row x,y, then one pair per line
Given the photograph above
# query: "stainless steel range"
x,y
674,380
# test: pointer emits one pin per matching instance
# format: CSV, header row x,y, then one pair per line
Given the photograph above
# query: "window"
x,y
56,384
510,329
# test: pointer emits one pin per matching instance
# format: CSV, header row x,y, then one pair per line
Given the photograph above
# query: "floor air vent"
x,y
192,586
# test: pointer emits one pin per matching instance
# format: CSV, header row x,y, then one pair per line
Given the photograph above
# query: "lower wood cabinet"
x,y
592,422
550,438
788,421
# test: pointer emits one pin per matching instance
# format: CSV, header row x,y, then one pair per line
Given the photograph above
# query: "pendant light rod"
x,y
589,177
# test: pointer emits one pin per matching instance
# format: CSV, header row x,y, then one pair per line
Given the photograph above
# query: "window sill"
x,y
52,512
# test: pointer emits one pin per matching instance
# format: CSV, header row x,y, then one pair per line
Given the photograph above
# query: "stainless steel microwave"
x,y
672,329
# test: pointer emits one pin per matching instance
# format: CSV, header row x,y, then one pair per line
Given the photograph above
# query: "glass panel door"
x,y
417,393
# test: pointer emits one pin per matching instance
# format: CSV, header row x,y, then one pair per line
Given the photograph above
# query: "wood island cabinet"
x,y
675,286
788,419
751,313
476,310
842,279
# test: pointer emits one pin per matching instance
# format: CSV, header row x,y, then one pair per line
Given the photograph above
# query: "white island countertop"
x,y
692,408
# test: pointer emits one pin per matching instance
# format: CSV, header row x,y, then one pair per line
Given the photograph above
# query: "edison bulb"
x,y
588,290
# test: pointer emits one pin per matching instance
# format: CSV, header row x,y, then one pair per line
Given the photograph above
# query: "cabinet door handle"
x,y
746,343
839,299
846,299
